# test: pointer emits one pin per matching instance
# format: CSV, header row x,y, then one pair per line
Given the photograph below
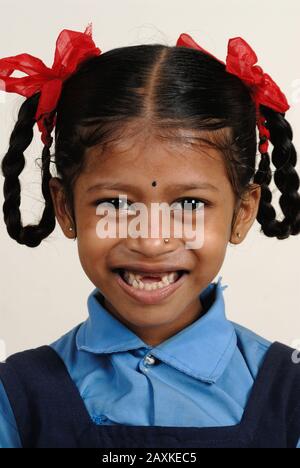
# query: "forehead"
x,y
145,157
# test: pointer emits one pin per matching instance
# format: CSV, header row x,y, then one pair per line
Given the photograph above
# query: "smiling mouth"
x,y
149,281
151,289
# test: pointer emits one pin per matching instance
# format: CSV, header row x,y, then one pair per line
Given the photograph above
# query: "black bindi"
x,y
154,183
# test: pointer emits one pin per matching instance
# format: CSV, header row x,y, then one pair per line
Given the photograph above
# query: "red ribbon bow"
x,y
72,48
240,61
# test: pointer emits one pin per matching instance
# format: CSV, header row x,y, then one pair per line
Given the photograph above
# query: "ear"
x,y
246,213
61,207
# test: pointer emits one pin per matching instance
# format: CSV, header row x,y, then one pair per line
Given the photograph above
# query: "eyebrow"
x,y
128,187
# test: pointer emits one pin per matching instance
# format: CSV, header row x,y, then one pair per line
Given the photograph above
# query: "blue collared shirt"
x,y
208,369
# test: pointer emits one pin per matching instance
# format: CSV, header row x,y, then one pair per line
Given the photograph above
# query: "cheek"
x,y
217,224
92,249
210,256
215,235
214,246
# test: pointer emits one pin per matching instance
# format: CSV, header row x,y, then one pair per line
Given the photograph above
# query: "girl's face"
x,y
136,163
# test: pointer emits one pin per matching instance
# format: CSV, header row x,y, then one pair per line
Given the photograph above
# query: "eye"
x,y
193,204
116,202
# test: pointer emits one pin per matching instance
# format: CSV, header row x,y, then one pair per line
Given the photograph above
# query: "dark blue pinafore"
x,y
50,412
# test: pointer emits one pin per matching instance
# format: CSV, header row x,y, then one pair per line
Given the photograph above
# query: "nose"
x,y
151,247
148,240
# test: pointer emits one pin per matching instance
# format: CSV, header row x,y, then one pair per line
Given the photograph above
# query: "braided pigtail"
x,y
275,127
12,165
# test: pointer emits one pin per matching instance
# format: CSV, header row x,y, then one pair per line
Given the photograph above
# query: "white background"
x,y
43,291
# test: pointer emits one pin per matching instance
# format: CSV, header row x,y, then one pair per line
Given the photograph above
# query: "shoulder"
x,y
251,338
252,346
67,340
65,346
9,435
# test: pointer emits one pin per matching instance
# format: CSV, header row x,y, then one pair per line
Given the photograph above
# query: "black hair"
x,y
164,88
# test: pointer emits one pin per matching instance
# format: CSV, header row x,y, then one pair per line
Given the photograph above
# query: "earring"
x,y
70,228
238,234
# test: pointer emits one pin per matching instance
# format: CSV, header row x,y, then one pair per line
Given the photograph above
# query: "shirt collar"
x,y
202,349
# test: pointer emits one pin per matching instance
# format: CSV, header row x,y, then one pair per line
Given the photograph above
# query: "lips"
x,y
152,276
153,296
148,268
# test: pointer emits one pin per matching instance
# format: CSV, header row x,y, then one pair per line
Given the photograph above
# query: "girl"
x,y
157,363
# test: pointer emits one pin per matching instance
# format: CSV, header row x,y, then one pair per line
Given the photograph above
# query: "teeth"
x,y
135,280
